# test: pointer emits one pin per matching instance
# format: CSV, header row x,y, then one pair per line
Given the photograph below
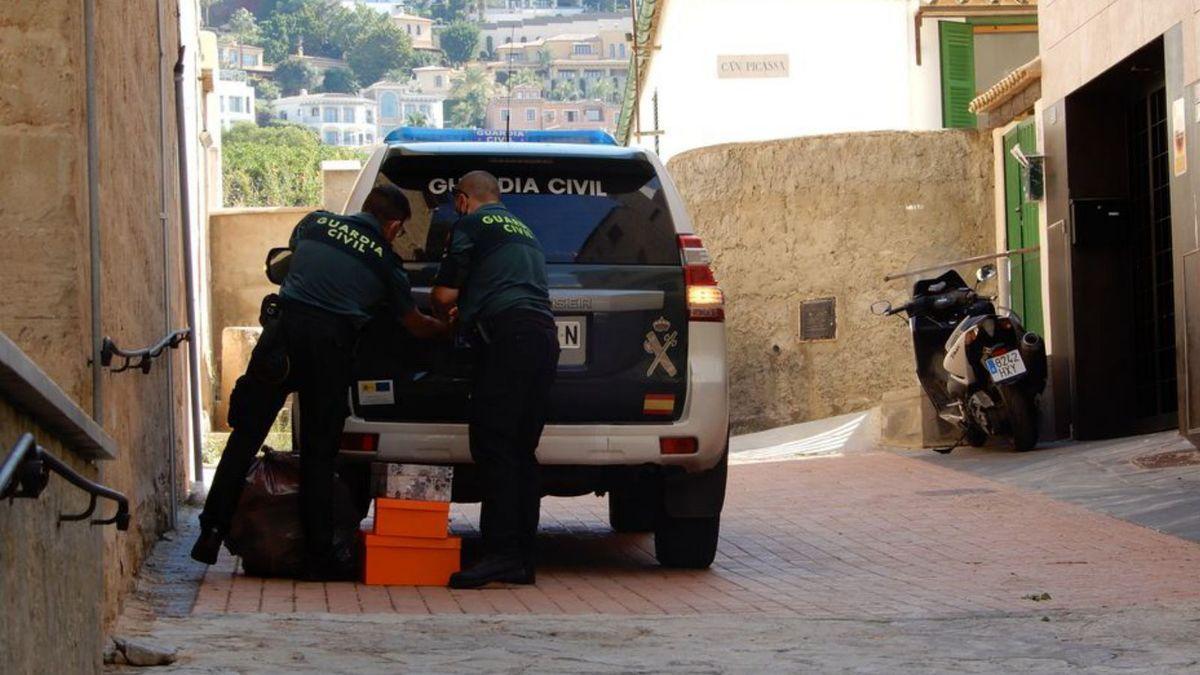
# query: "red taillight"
x,y
360,442
677,445
705,300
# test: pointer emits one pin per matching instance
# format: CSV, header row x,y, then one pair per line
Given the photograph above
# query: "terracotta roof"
x,y
1007,88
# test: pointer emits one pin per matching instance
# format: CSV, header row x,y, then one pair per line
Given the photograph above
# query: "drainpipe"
x,y
93,173
185,208
165,221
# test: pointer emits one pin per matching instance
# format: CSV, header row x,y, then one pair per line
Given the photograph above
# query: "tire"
x,y
975,436
634,510
687,543
1022,410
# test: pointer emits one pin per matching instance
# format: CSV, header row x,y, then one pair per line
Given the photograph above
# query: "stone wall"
x,y
73,577
829,217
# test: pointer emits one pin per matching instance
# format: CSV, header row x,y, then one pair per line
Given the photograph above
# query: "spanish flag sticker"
x,y
659,404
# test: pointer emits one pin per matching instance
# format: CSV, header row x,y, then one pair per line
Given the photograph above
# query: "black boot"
x,y
208,545
509,569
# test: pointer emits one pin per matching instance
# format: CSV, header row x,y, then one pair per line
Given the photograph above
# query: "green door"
x,y
958,74
1022,230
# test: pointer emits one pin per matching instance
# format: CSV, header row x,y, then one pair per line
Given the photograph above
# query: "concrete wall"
x,y
829,216
238,243
63,585
852,68
1082,39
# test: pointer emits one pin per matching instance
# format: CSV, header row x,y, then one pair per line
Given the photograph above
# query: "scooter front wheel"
x,y
1022,410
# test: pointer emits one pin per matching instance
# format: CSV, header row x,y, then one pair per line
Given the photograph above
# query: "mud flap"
x,y
697,495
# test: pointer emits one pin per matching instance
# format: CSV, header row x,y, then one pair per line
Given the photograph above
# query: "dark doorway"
x,y
1123,304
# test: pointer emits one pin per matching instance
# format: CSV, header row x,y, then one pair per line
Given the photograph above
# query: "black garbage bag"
x,y
267,532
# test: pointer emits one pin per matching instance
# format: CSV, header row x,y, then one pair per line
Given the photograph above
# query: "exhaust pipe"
x,y
1033,351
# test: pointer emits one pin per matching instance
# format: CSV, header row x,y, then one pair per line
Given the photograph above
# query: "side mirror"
x,y
881,307
984,273
279,260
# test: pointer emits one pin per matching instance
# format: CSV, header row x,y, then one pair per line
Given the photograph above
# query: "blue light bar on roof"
x,y
424,135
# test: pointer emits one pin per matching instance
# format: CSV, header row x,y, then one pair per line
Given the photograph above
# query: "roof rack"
x,y
425,135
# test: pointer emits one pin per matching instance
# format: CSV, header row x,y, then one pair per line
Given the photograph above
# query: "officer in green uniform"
x,y
493,276
342,270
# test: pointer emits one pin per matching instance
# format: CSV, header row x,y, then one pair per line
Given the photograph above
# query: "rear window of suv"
x,y
583,210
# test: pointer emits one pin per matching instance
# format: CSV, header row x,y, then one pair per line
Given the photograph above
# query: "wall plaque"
x,y
733,66
818,319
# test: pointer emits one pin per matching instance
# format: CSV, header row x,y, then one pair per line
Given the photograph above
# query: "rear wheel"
x,y
1022,417
634,509
687,543
975,436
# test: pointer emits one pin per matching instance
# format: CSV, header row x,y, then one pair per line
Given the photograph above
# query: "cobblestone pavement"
x,y
872,536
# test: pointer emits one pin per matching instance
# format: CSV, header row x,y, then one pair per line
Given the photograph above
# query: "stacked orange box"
x,y
410,544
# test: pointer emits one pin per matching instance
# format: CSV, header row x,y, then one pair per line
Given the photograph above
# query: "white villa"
x,y
340,119
398,101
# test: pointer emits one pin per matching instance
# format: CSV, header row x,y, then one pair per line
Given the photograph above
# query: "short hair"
x,y
387,202
479,185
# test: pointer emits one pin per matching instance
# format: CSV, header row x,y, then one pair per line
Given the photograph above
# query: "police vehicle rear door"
x,y
617,283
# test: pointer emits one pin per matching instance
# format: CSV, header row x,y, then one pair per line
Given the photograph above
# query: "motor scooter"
x,y
979,367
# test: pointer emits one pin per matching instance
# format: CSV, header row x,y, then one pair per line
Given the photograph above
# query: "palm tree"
x,y
523,78
602,89
544,60
473,90
416,118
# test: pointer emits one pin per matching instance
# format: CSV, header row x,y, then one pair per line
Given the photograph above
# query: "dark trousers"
x,y
320,348
513,374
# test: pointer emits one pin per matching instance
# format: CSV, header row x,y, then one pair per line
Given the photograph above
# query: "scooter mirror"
x,y
278,262
984,273
881,307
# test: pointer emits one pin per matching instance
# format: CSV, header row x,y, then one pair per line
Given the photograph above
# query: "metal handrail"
x,y
25,473
145,357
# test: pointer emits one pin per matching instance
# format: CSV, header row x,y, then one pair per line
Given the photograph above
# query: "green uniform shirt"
x,y
342,264
496,263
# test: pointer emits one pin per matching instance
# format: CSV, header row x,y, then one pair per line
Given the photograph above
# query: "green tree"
x,y
416,118
264,89
449,11
383,49
460,40
339,81
471,94
602,89
564,90
295,74
276,165
524,77
544,60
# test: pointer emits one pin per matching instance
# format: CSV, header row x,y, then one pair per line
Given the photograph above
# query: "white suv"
x,y
640,407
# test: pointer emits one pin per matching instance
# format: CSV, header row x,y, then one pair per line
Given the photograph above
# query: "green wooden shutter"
x,y
958,74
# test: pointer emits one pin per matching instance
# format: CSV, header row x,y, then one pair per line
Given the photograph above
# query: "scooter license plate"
x,y
1007,366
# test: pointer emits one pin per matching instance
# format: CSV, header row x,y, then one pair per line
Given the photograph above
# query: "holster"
x,y
269,360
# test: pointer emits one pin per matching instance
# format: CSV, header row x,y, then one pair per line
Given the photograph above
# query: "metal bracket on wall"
x,y
25,473
144,357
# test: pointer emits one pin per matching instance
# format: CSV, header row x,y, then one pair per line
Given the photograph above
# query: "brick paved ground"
x,y
871,535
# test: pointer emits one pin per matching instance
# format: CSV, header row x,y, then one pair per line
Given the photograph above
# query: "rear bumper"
x,y
705,417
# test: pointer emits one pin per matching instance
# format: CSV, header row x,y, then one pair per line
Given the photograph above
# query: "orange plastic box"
x,y
409,561
407,518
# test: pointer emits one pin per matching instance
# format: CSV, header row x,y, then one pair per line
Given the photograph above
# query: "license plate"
x,y
1005,367
572,341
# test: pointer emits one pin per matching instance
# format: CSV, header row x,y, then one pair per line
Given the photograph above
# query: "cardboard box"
x,y
408,518
417,482
404,561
